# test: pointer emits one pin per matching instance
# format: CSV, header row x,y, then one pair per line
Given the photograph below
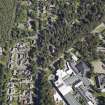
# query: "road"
x,y
37,88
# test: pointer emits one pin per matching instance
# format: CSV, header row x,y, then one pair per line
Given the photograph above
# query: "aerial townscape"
x,y
52,52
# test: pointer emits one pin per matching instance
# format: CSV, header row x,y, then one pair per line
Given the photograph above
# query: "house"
x,y
101,49
1,51
26,98
74,57
100,82
30,2
29,23
52,8
10,98
100,28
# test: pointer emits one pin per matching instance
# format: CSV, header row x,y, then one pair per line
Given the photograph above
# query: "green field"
x,y
7,16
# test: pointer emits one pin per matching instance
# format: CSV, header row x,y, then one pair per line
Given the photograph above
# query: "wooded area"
x,y
72,24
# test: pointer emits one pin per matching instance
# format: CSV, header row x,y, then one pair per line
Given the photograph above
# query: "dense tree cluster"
x,y
3,80
101,100
87,47
46,91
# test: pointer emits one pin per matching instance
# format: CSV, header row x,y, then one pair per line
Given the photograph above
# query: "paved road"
x,y
37,88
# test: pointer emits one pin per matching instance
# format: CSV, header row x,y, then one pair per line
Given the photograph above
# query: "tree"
x,y
101,100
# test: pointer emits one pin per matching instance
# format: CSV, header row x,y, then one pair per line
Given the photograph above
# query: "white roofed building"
x,y
61,85
65,89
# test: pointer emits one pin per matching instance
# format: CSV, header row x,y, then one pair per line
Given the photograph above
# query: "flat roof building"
x,y
65,89
72,79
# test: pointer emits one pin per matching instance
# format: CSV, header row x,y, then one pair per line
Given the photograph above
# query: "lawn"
x,y
98,66
7,16
100,94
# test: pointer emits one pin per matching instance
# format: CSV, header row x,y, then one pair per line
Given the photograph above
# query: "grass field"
x,y
7,16
98,67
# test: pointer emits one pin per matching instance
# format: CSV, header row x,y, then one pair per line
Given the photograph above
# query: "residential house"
x,y
100,82
1,51
99,28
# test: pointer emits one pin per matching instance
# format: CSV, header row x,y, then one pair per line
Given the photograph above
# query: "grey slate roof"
x,y
73,66
83,68
101,81
71,80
